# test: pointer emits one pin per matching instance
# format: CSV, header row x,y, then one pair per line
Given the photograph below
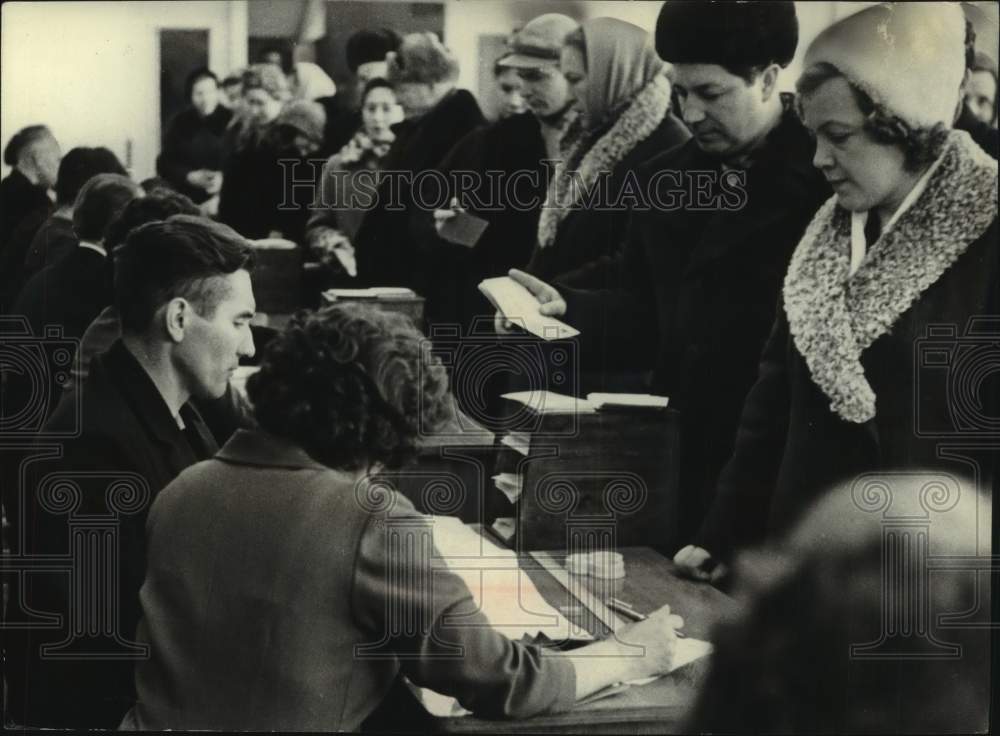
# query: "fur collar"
x,y
570,182
833,318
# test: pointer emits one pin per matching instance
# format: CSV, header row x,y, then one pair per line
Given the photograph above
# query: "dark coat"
x,y
53,241
386,252
342,122
251,180
792,445
590,237
507,147
66,296
698,295
266,574
18,198
39,240
193,142
118,428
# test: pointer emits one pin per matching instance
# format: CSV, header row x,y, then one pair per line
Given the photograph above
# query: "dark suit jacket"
x,y
280,609
124,433
193,142
698,295
18,198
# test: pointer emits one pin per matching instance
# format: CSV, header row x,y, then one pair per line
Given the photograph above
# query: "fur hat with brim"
x,y
305,117
423,59
908,57
734,35
540,42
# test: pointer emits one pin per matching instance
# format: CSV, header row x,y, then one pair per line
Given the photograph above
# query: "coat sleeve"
x,y
170,164
440,638
739,513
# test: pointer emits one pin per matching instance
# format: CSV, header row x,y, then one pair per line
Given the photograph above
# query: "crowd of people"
x,y
798,249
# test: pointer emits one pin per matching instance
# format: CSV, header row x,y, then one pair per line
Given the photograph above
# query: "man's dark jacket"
x,y
123,447
699,287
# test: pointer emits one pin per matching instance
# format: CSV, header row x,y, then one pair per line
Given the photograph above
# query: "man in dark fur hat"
x,y
701,271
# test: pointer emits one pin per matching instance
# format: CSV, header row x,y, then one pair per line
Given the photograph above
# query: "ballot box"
x,y
590,479
277,275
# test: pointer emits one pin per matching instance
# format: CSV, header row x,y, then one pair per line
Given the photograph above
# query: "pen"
x,y
627,611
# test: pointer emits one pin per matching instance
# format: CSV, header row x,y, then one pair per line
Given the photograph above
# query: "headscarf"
x,y
621,61
313,82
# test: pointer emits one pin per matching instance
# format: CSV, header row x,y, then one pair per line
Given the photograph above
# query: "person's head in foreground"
x,y
34,151
352,386
422,71
843,626
534,53
510,90
98,202
77,167
726,59
880,92
182,288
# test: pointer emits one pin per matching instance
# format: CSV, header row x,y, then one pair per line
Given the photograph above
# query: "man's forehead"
x,y
696,75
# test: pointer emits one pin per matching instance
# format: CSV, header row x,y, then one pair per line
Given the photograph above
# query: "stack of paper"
x,y
518,441
505,528
375,292
626,401
521,307
510,484
549,402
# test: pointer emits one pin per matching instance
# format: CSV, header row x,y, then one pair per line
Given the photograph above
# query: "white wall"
x,y
90,70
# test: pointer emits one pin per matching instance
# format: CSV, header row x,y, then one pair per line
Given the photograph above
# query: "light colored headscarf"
x,y
313,82
621,61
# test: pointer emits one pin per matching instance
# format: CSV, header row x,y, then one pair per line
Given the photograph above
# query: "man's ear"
x,y
176,318
769,81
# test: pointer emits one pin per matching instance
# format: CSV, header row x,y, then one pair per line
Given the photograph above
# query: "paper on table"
x,y
651,401
510,484
374,292
549,402
521,307
519,441
503,592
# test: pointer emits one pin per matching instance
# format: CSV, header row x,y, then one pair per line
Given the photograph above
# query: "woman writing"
x,y
293,603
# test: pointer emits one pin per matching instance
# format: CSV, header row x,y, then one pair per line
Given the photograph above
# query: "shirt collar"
x,y
94,246
256,447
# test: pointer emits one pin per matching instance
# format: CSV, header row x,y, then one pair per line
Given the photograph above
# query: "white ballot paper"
x,y
549,402
521,307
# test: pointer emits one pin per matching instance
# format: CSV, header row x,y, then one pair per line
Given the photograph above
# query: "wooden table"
x,y
659,707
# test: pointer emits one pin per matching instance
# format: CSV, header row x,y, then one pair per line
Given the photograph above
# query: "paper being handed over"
x,y
521,307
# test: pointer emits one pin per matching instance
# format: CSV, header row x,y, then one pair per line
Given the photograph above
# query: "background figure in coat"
x,y
33,155
817,645
194,143
251,176
341,203
41,238
340,394
509,158
620,87
183,291
905,251
705,280
437,115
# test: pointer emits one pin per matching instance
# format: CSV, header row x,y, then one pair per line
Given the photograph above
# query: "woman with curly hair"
x,y
277,574
906,251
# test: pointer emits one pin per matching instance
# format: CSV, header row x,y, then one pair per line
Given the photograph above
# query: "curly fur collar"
x,y
570,182
833,318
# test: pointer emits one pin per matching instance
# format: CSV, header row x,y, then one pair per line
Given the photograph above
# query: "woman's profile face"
x,y
510,86
574,68
864,174
378,112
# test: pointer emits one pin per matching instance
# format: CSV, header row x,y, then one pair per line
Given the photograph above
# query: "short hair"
x,y
232,80
422,59
22,139
171,258
741,37
369,45
920,146
100,200
81,164
159,204
156,183
351,385
195,76
284,50
269,78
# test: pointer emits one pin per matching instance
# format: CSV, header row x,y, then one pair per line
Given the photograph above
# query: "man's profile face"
x,y
215,341
724,112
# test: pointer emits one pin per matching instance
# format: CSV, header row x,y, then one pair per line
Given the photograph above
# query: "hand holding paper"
x,y
528,302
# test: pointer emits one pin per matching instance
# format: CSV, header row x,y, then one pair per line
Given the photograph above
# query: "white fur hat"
x,y
908,56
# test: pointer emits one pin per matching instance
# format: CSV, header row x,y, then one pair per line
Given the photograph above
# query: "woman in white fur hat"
x,y
881,352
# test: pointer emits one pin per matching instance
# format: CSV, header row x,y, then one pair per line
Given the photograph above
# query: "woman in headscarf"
x,y
339,208
883,344
621,89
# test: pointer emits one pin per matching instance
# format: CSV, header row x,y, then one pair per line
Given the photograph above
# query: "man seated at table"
x,y
300,591
183,291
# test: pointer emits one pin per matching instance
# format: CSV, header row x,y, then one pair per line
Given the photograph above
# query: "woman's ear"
x,y
176,318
